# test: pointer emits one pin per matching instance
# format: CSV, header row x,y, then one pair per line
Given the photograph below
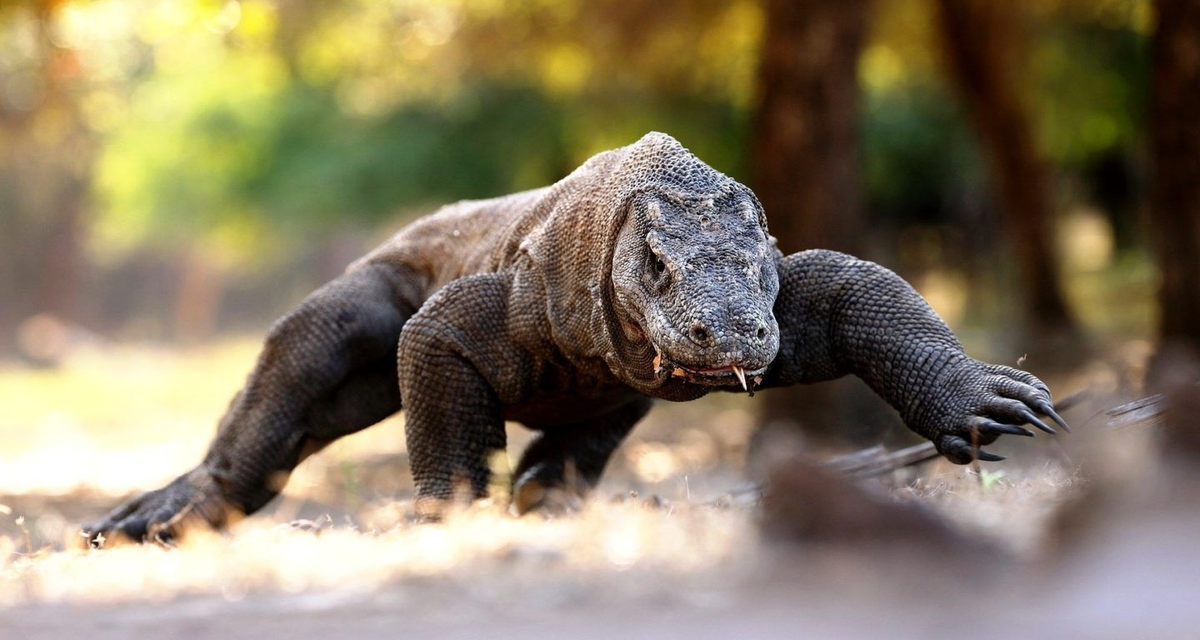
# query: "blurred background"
x,y
172,171
176,174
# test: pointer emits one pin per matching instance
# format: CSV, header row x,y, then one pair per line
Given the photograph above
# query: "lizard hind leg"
x,y
327,369
563,464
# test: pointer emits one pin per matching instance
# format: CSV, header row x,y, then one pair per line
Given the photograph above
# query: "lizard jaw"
x,y
718,376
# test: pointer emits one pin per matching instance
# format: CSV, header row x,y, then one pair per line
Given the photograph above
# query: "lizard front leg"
x,y
458,368
840,315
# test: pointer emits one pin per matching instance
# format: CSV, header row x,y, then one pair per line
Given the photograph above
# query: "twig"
x,y
1131,413
867,463
891,461
876,461
857,460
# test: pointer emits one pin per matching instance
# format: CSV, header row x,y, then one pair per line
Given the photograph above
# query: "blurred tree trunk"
x,y
1175,186
804,161
61,258
1175,157
804,156
198,299
980,41
52,154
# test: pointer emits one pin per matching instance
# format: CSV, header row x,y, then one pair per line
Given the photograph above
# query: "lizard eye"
x,y
656,274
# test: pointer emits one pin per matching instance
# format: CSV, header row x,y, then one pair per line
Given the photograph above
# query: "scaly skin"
x,y
644,274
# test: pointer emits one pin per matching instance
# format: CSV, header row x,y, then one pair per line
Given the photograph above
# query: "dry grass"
x,y
114,421
478,546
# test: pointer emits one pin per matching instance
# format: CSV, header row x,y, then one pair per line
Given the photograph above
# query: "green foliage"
x,y
285,122
1090,84
989,479
242,126
323,167
919,152
169,171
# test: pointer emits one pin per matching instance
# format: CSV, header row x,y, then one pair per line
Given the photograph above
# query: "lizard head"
x,y
695,280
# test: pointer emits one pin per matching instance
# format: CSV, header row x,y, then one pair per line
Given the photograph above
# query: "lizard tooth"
x,y
741,376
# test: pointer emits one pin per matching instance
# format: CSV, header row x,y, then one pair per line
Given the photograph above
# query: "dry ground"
x,y
672,561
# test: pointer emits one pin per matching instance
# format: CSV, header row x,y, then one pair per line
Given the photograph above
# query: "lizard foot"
x,y
548,499
993,401
161,515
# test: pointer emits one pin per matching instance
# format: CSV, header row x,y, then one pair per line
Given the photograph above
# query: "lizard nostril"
x,y
699,332
761,333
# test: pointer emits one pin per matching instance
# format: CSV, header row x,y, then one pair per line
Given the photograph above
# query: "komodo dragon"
x,y
643,274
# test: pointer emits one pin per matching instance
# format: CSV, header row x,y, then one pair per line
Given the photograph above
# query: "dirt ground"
x,y
1088,537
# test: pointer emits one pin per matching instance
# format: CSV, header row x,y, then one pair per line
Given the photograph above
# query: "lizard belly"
x,y
547,411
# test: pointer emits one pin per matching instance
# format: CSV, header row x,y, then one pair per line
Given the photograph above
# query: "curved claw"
x,y
988,456
1004,429
959,451
1036,421
1046,409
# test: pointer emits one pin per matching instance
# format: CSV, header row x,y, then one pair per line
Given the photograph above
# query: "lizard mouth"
x,y
726,376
